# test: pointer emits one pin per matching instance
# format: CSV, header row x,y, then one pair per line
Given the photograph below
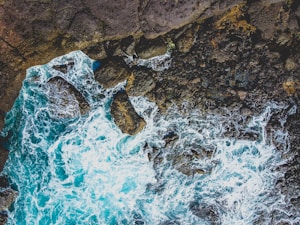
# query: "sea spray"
x,y
71,167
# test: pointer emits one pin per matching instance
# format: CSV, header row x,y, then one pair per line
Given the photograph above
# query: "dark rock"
x,y
125,115
3,157
96,51
127,45
7,197
207,212
66,98
4,182
34,32
239,60
140,82
183,163
112,72
170,138
64,68
146,49
170,222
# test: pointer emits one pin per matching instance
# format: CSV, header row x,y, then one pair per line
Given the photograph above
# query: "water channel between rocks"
x,y
74,166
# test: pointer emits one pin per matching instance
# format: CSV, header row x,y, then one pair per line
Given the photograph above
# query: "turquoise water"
x,y
74,168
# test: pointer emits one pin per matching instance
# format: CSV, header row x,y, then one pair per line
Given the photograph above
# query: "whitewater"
x,y
70,167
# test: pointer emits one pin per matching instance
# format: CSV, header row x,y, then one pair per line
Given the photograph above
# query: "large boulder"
x,y
125,115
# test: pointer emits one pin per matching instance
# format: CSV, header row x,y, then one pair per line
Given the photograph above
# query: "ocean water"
x,y
71,167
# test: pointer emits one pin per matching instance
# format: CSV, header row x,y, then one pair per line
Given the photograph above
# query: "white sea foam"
x,y
84,170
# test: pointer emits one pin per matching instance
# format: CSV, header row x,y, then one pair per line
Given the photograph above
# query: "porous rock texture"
x,y
233,54
33,32
124,114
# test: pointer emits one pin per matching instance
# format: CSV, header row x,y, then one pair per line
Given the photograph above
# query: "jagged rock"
x,y
34,32
65,100
170,138
159,17
183,164
96,51
207,212
112,72
186,40
7,197
4,183
125,115
241,59
140,82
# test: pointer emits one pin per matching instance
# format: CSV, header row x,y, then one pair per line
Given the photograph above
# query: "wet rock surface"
x,y
112,72
65,100
237,59
34,32
124,114
206,212
7,197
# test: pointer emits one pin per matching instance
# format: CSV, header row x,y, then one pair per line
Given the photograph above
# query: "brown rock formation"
x,y
239,59
33,32
65,100
124,114
112,72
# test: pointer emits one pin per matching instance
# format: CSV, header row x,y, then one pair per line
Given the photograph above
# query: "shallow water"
x,y
81,169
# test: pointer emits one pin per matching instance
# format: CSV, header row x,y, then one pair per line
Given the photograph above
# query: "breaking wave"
x,y
75,166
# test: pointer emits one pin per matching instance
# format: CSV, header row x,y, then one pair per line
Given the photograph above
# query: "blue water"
x,y
71,167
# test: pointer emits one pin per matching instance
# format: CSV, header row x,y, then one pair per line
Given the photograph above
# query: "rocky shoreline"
x,y
233,54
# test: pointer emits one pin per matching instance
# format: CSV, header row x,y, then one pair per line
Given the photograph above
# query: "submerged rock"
x,y
183,163
125,115
65,100
207,212
7,197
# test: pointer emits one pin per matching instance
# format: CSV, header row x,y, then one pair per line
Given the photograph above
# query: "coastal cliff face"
x,y
232,54
34,32
241,44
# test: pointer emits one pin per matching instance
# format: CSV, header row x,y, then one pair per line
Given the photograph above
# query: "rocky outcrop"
x,y
234,59
65,100
34,32
7,197
235,54
112,72
124,114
